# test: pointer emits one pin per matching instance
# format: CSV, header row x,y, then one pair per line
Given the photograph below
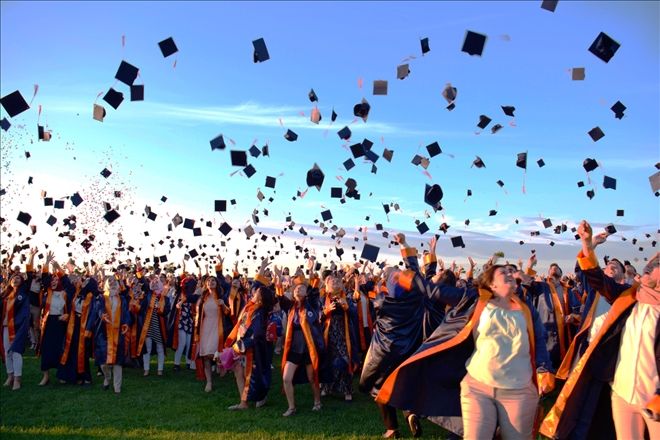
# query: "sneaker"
x,y
260,403
414,425
289,412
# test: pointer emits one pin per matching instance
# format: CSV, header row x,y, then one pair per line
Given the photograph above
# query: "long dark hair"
x,y
486,278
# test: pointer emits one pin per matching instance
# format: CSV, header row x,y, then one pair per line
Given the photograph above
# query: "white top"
x,y
501,355
57,303
602,309
636,376
364,303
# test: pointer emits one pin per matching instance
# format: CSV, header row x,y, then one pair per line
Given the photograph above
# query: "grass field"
x,y
174,406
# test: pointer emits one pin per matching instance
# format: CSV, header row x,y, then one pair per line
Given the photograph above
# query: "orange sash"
x,y
307,333
347,335
559,319
112,329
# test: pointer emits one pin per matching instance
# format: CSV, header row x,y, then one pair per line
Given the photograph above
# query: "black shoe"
x,y
414,425
106,387
177,368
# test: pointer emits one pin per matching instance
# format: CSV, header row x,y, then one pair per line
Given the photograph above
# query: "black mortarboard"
x,y
249,171
469,192
76,199
577,73
362,109
168,47
432,195
449,93
495,128
549,5
249,231
521,161
326,215
478,163
152,216
619,212
373,157
348,164
14,103
387,154
188,223
402,71
590,164
238,158
508,110
137,92
580,184
483,121
380,87
312,96
114,98
27,154
48,201
290,136
254,151
24,217
270,182
225,228
197,232
43,134
425,45
264,151
596,133
591,193
492,212
654,180
111,216
357,150
422,228
218,143
541,163
5,124
260,51
220,205
315,177
457,242
474,43
59,204
336,192
604,47
177,220
344,133
500,183
126,73
618,108
547,223
370,252
433,149
51,220
193,253
609,182
106,173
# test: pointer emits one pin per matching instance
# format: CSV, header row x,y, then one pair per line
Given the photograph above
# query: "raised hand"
x,y
585,232
400,239
432,244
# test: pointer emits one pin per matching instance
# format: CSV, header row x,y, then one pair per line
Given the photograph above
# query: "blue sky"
x,y
161,146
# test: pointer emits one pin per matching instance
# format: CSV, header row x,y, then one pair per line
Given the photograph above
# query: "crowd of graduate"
x,y
474,353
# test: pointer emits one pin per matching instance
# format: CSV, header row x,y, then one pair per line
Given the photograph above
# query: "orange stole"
x,y
244,319
147,321
551,421
8,310
71,323
363,342
112,330
199,319
307,333
347,335
559,319
44,316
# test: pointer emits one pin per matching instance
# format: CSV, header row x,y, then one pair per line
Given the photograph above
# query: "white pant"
x,y
13,360
116,376
160,349
184,346
630,422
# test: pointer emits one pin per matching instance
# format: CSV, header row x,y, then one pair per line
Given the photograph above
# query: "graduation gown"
x,y
110,339
145,314
16,307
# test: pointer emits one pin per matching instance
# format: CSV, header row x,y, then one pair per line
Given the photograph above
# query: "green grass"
x,y
175,406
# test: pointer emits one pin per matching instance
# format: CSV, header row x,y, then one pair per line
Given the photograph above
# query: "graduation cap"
x,y
168,47
387,154
500,183
218,143
197,232
152,216
264,151
495,128
521,161
51,220
315,115
425,45
5,124
483,121
357,150
326,215
312,96
14,104
111,216
270,182
577,73
126,73
580,184
220,205
43,135
137,92
238,158
362,109
604,47
370,252
177,220
193,253
541,163
549,5
478,162
433,195
290,136
596,133
249,231
76,199
618,108
547,223
492,212
654,180
114,98
260,51
474,43
315,177
609,182
449,93
48,201
254,151
457,242
188,223
422,228
433,149
591,193
380,87
59,204
24,218
402,71
344,133
106,173
98,113
249,171
508,110
589,164
225,228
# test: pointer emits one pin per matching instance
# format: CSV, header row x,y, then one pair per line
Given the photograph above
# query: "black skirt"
x,y
52,343
69,371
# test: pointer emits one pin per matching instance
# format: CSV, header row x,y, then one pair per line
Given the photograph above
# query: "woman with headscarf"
x,y
15,318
